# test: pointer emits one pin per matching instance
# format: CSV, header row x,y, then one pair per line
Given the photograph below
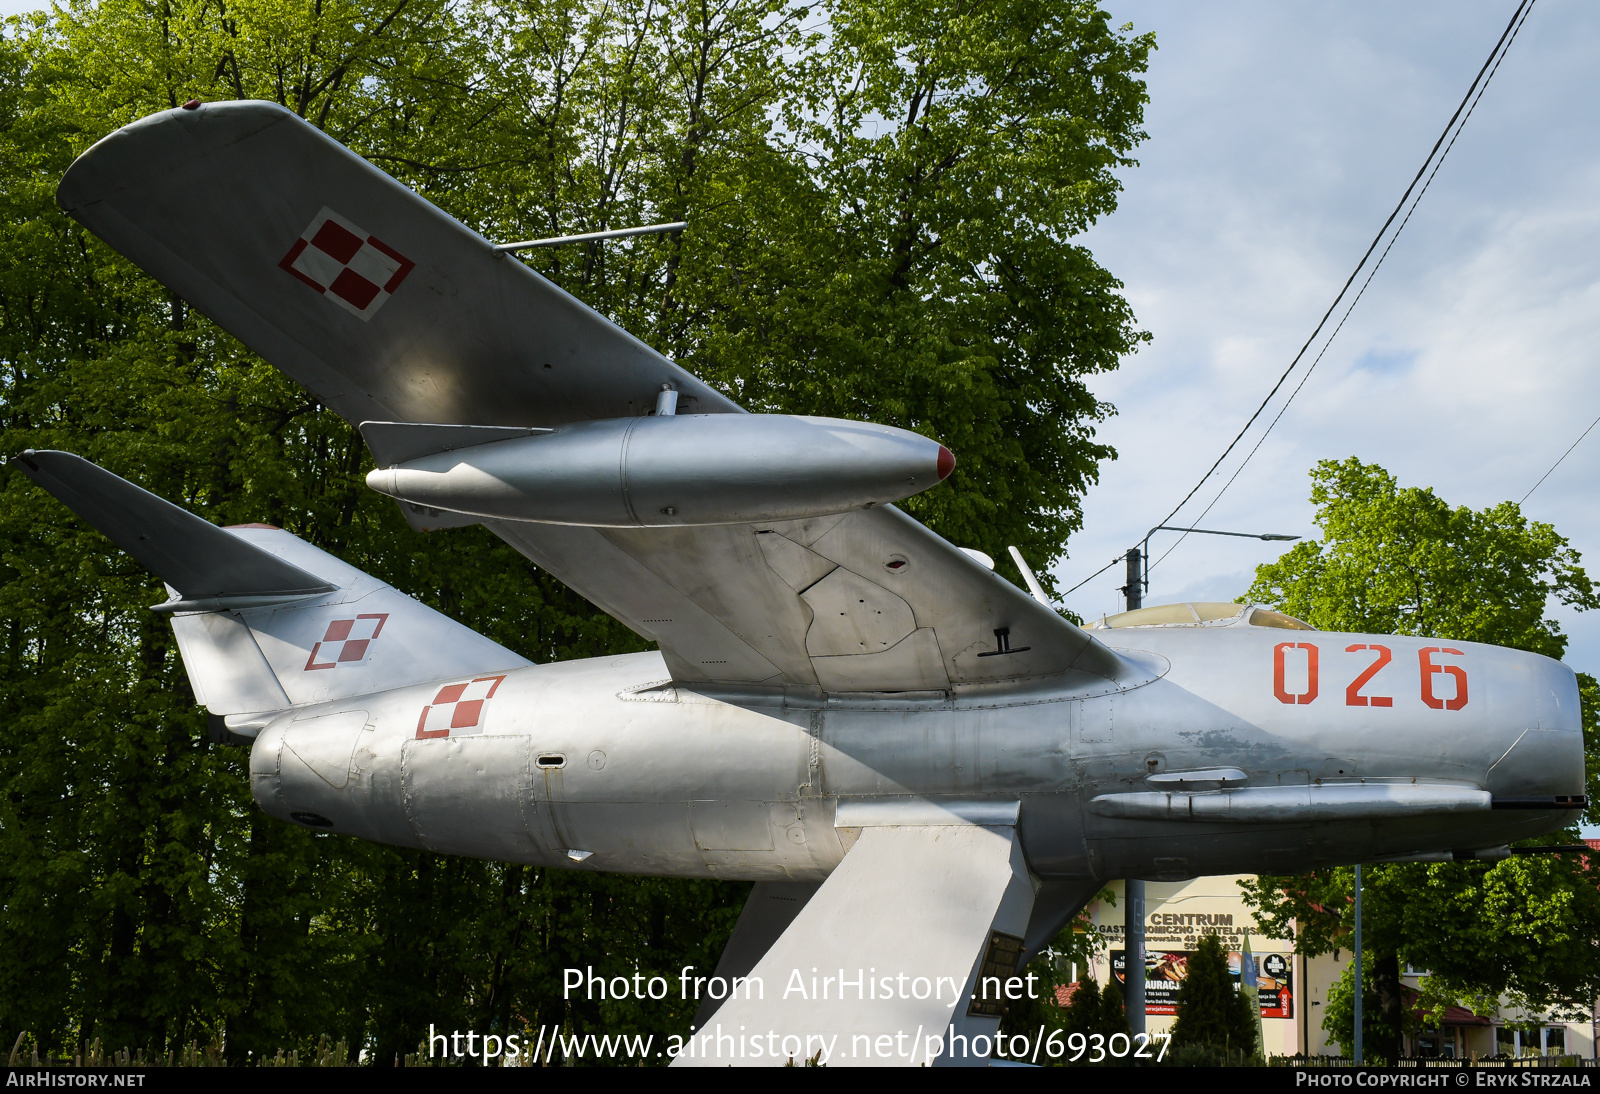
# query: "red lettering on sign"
x,y
1279,688
1429,669
1352,694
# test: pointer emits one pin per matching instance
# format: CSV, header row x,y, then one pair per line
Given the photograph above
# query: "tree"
x,y
1083,1012
1211,1010
144,899
1379,1038
913,262
1094,1013
897,247
1400,560
1113,1012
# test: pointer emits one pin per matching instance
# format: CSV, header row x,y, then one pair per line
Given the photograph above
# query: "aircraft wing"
x,y
868,601
389,310
922,925
362,291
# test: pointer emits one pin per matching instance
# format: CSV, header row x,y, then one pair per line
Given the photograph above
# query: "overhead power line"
x,y
1437,163
1557,464
1091,577
1435,158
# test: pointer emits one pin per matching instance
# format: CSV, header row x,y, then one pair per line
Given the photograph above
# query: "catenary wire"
x,y
1362,292
1490,65
1553,466
1090,578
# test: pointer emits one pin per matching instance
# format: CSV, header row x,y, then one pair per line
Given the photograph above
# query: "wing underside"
x,y
912,922
869,601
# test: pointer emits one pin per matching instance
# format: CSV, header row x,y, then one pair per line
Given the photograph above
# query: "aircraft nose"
x,y
1545,761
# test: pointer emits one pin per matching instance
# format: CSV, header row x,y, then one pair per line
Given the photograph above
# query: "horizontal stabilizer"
x,y
264,620
207,565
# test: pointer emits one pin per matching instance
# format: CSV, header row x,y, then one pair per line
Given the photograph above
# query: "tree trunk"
x,y
1387,1040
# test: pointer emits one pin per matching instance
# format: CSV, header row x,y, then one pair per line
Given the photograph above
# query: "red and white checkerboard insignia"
x,y
346,642
458,709
345,264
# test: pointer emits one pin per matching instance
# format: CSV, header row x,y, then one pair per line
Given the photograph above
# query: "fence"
x,y
1440,1061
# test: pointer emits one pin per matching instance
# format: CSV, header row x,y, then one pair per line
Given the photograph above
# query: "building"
x,y
1293,989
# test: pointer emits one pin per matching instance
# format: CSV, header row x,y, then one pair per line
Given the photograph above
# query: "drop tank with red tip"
x,y
674,469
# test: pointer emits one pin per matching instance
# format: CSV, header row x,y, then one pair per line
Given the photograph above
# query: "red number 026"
x,y
1352,694
1430,670
1279,687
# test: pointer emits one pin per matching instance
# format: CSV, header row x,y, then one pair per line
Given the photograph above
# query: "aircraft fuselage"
x,y
1242,749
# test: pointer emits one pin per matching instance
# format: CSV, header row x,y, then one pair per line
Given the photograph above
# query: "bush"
x,y
1211,1011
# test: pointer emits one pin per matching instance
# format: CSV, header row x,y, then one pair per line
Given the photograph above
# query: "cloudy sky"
x,y
1281,135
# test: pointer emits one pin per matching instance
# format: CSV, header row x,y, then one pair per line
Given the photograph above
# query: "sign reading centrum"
x,y
1165,971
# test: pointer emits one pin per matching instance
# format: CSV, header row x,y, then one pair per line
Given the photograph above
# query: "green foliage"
x,y
1401,561
922,277
1026,1016
1211,1011
1083,1012
880,224
1092,1010
1113,1016
1523,927
1396,560
1052,970
1094,1014
895,248
1589,704
1377,1028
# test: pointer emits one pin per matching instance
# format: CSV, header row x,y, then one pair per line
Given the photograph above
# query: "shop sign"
x,y
1165,970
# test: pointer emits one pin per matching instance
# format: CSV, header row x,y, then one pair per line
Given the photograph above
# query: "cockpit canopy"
x,y
1201,615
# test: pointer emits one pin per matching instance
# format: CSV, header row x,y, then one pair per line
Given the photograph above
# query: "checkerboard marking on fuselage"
x,y
458,709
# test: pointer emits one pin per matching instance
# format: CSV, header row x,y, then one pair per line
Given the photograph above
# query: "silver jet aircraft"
x,y
926,770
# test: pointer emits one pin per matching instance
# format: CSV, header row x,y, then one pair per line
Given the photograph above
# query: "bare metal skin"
x,y
607,756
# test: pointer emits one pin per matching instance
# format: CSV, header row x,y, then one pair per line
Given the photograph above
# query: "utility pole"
x,y
1138,572
1134,589
1357,1048
1133,888
1133,954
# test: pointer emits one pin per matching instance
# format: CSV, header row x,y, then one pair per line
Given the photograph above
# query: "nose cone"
x,y
1545,761
947,463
